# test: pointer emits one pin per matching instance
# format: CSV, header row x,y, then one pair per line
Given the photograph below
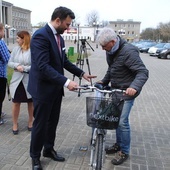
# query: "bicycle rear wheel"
x,y
97,153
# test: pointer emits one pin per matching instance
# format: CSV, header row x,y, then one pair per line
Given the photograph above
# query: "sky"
x,y
149,12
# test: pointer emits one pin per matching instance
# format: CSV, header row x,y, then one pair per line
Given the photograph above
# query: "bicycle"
x,y
103,112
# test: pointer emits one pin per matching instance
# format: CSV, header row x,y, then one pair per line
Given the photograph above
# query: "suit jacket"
x,y
46,77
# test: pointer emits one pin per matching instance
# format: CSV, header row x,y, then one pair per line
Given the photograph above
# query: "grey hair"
x,y
106,35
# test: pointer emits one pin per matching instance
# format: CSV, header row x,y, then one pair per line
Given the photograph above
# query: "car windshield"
x,y
160,45
167,45
149,44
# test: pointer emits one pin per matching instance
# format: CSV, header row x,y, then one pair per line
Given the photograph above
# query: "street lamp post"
x,y
1,11
7,33
13,30
121,32
96,25
78,25
71,36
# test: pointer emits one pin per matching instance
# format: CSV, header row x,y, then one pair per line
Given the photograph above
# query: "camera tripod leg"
x,y
80,60
79,91
82,55
88,66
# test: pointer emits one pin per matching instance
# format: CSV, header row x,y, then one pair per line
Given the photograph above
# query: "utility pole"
x,y
1,11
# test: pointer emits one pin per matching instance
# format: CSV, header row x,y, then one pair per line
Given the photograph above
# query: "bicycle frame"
x,y
97,157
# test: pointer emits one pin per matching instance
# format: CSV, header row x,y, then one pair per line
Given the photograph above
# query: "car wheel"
x,y
168,56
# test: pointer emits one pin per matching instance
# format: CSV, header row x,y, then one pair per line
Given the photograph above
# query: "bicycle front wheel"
x,y
99,157
97,153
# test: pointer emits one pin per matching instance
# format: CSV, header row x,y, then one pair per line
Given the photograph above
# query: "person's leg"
x,y
116,146
53,122
15,114
30,114
41,114
0,109
3,82
124,127
123,134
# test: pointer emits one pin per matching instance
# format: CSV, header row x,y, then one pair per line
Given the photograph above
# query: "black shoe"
x,y
2,121
15,132
112,149
29,129
53,155
119,158
36,164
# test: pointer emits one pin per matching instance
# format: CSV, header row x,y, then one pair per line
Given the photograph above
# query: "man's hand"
x,y
72,86
130,91
88,77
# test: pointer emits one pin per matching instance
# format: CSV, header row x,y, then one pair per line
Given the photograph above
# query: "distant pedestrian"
x,y
4,57
20,61
75,41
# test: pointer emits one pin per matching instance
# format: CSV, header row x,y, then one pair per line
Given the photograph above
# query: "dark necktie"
x,y
58,41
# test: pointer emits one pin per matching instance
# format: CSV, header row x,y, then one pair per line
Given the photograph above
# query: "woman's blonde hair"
x,y
25,35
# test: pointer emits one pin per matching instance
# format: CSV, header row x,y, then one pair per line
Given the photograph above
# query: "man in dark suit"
x,y
46,82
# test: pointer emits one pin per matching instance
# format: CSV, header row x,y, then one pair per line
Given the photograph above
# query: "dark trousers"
x,y
3,82
46,117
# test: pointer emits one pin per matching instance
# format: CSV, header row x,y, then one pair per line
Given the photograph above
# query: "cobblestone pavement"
x,y
150,144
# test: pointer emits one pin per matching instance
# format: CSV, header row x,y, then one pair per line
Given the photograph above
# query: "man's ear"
x,y
113,42
58,21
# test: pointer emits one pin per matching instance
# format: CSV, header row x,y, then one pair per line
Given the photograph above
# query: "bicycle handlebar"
x,y
86,87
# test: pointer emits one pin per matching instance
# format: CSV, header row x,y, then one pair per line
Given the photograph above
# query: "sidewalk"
x,y
150,144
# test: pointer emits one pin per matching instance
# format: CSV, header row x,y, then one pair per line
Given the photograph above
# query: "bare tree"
x,y
92,17
41,24
104,23
165,31
147,34
161,33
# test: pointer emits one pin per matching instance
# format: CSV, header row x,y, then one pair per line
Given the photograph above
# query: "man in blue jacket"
x,y
46,82
126,71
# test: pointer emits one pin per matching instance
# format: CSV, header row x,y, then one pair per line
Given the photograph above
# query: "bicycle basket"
x,y
103,113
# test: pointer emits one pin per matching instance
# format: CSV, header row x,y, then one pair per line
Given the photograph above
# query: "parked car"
x,y
152,50
165,52
145,46
140,43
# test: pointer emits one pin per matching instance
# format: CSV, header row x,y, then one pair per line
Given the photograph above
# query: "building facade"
x,y
129,30
15,19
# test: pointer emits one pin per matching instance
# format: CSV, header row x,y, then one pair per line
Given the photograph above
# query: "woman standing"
x,y
20,61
